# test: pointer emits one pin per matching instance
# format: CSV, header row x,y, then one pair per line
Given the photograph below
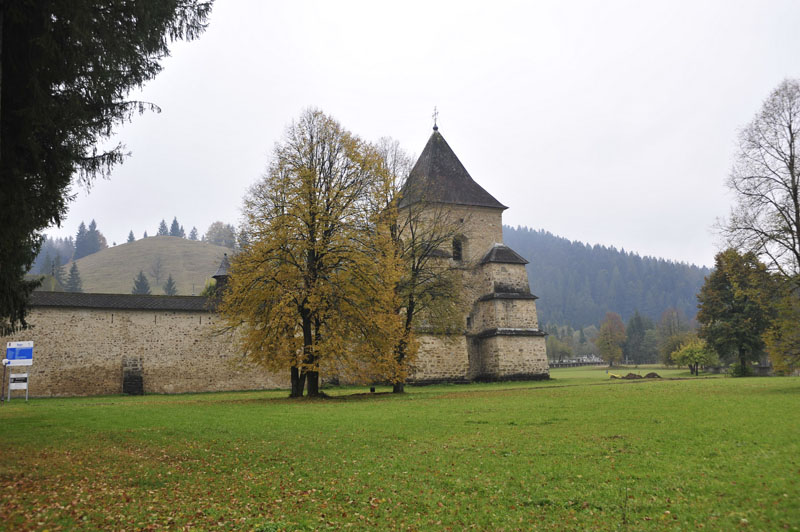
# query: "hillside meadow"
x,y
577,452
112,270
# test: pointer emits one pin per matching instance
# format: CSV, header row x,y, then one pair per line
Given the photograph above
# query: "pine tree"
x,y
57,270
80,242
182,233
169,287
74,283
162,229
46,264
131,238
175,228
193,234
67,68
144,235
140,285
88,241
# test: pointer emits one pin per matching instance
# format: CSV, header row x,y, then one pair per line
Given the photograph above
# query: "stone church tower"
x,y
501,339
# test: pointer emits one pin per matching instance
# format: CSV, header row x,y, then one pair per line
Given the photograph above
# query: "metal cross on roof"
x,y
435,119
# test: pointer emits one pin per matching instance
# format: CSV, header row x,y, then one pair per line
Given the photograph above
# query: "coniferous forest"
x,y
578,283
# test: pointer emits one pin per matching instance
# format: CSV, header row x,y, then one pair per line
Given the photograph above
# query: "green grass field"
x,y
577,452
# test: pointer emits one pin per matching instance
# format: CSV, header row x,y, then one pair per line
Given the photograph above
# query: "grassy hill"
x,y
112,270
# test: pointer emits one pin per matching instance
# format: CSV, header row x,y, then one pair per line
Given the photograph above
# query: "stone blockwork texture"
x,y
498,277
79,351
506,357
504,313
441,358
481,227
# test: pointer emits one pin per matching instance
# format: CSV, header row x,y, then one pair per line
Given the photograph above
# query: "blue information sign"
x,y
19,353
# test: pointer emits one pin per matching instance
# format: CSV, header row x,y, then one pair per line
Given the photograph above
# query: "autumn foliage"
x,y
333,278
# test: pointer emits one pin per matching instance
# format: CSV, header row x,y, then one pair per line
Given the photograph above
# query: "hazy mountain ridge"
x,y
578,283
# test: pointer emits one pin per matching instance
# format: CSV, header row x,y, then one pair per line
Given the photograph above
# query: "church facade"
x,y
501,339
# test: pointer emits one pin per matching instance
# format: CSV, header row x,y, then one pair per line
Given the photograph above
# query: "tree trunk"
x,y
743,362
400,355
297,383
312,378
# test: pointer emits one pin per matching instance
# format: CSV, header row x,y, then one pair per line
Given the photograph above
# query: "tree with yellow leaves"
x,y
429,290
310,288
610,338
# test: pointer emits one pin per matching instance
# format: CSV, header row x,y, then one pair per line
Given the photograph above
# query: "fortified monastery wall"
x,y
90,344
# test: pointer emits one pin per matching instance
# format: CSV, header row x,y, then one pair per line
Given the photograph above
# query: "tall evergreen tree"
x,y
175,228
57,270
81,244
144,235
169,287
162,229
46,264
66,70
193,234
141,286
74,283
95,238
634,347
131,238
88,241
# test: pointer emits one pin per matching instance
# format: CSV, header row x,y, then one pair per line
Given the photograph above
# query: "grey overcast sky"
x,y
607,122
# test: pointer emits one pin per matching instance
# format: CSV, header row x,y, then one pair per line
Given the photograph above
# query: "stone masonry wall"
x,y
441,358
481,227
514,356
499,277
504,313
80,351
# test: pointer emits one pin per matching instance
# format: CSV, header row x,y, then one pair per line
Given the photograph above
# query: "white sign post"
x,y
18,381
17,354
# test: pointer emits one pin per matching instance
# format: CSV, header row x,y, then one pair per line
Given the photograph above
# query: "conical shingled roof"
x,y
439,177
224,266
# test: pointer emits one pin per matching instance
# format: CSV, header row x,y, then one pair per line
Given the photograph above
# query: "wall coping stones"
x,y
119,301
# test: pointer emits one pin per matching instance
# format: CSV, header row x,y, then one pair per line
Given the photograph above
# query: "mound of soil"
x,y
631,376
652,375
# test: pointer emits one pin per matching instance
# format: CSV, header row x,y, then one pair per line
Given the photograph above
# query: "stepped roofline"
x,y
439,177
